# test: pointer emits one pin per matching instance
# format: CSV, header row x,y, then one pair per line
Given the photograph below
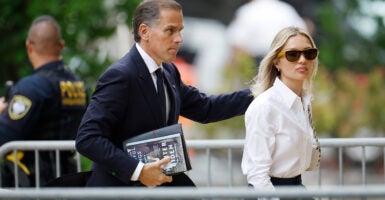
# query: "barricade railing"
x,y
209,146
204,193
36,146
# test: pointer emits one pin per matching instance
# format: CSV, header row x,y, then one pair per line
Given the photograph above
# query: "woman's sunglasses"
x,y
293,55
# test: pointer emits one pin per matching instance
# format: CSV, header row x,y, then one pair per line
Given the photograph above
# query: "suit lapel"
x,y
170,85
147,87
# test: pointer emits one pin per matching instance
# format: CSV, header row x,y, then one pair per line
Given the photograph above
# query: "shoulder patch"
x,y
19,107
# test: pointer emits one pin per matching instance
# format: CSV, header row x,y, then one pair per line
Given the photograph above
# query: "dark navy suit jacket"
x,y
125,104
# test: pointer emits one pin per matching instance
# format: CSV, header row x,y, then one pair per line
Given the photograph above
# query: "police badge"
x,y
19,107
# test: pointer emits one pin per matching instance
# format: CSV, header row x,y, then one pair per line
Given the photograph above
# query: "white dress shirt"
x,y
152,67
279,136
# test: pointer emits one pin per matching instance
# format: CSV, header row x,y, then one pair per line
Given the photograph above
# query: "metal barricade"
x,y
205,193
36,146
209,146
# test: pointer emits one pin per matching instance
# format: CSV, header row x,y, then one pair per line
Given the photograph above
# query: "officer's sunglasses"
x,y
294,55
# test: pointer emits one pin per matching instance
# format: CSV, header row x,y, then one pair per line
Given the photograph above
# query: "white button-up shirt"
x,y
152,67
279,136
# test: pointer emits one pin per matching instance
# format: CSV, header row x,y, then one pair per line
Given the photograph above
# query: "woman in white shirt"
x,y
279,134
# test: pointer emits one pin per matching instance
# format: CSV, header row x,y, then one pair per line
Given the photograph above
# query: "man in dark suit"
x,y
126,102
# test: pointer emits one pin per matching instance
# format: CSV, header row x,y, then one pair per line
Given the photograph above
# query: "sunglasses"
x,y
293,55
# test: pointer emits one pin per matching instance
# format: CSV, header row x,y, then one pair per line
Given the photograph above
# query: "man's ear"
x,y
62,44
59,47
28,46
144,31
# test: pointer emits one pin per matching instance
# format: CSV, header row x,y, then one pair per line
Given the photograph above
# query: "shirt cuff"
x,y
135,175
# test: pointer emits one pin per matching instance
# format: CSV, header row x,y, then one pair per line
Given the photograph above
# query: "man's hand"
x,y
152,174
3,104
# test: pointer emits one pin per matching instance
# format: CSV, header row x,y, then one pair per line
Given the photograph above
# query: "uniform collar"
x,y
50,65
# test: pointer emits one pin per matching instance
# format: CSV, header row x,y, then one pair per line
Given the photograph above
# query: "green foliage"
x,y
127,7
350,84
340,25
346,101
82,23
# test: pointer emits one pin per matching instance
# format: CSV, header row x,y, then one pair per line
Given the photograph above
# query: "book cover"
x,y
155,145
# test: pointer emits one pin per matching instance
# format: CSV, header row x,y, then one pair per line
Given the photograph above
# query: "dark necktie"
x,y
162,98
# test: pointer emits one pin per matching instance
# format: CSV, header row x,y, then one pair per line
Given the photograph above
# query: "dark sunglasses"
x,y
294,55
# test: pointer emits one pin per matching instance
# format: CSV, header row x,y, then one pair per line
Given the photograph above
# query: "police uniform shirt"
x,y
35,102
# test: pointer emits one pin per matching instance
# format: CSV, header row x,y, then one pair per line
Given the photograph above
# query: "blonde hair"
x,y
267,72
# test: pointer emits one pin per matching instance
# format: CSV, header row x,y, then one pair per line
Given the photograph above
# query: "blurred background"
x,y
350,35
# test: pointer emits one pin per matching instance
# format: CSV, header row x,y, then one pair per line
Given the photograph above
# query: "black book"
x,y
152,146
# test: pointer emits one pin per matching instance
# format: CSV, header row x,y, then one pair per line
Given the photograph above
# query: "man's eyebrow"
x,y
171,26
174,26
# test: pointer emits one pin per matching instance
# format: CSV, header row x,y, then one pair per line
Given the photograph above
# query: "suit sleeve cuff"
x,y
135,175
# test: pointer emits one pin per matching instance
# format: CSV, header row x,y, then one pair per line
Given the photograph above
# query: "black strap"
x,y
286,181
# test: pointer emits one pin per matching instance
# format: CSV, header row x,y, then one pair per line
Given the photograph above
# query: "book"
x,y
154,145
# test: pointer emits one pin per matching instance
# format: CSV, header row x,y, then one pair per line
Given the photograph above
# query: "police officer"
x,y
47,105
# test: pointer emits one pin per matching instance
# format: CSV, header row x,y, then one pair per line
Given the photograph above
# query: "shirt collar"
x,y
289,96
150,63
